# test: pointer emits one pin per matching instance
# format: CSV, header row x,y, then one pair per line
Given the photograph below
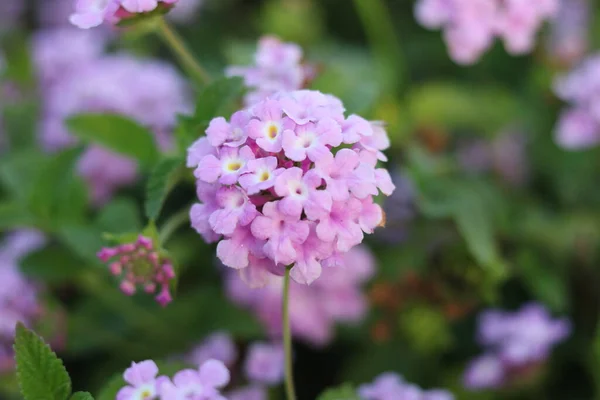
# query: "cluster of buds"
x,y
139,264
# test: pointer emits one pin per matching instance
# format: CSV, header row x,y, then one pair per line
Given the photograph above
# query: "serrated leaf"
x,y
344,392
82,396
41,374
117,133
162,179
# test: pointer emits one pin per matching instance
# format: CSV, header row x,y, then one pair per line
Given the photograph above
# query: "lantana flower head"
x,y
92,13
263,364
470,26
391,386
139,264
515,342
19,298
579,125
298,202
277,68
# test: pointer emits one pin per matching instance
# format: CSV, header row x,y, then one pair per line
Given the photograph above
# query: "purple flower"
x,y
281,232
233,134
203,384
277,68
142,381
314,310
264,363
346,173
254,392
268,125
391,386
514,340
234,208
19,300
301,193
260,175
312,140
486,371
226,167
80,79
92,13
218,346
341,225
470,26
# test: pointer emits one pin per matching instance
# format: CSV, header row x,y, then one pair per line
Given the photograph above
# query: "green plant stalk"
x,y
287,339
384,43
176,43
172,224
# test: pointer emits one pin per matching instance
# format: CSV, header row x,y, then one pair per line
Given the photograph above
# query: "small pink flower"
x,y
311,140
341,224
234,208
226,167
260,175
142,381
346,173
301,193
234,134
268,126
281,233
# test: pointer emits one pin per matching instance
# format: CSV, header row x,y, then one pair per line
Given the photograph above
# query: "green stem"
x,y
172,224
287,339
179,48
382,37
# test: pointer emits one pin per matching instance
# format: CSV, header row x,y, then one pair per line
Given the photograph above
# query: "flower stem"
x,y
287,339
179,48
172,224
384,43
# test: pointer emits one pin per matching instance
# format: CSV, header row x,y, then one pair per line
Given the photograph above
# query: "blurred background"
x,y
489,210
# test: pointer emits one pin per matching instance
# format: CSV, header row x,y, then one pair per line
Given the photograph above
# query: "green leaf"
x,y
82,396
59,195
41,374
121,215
17,170
117,133
162,179
13,215
344,392
52,264
83,240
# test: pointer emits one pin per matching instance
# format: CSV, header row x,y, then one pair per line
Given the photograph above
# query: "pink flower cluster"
x,y
277,187
263,365
579,126
514,342
91,13
315,309
18,296
140,264
278,68
201,384
470,26
76,77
